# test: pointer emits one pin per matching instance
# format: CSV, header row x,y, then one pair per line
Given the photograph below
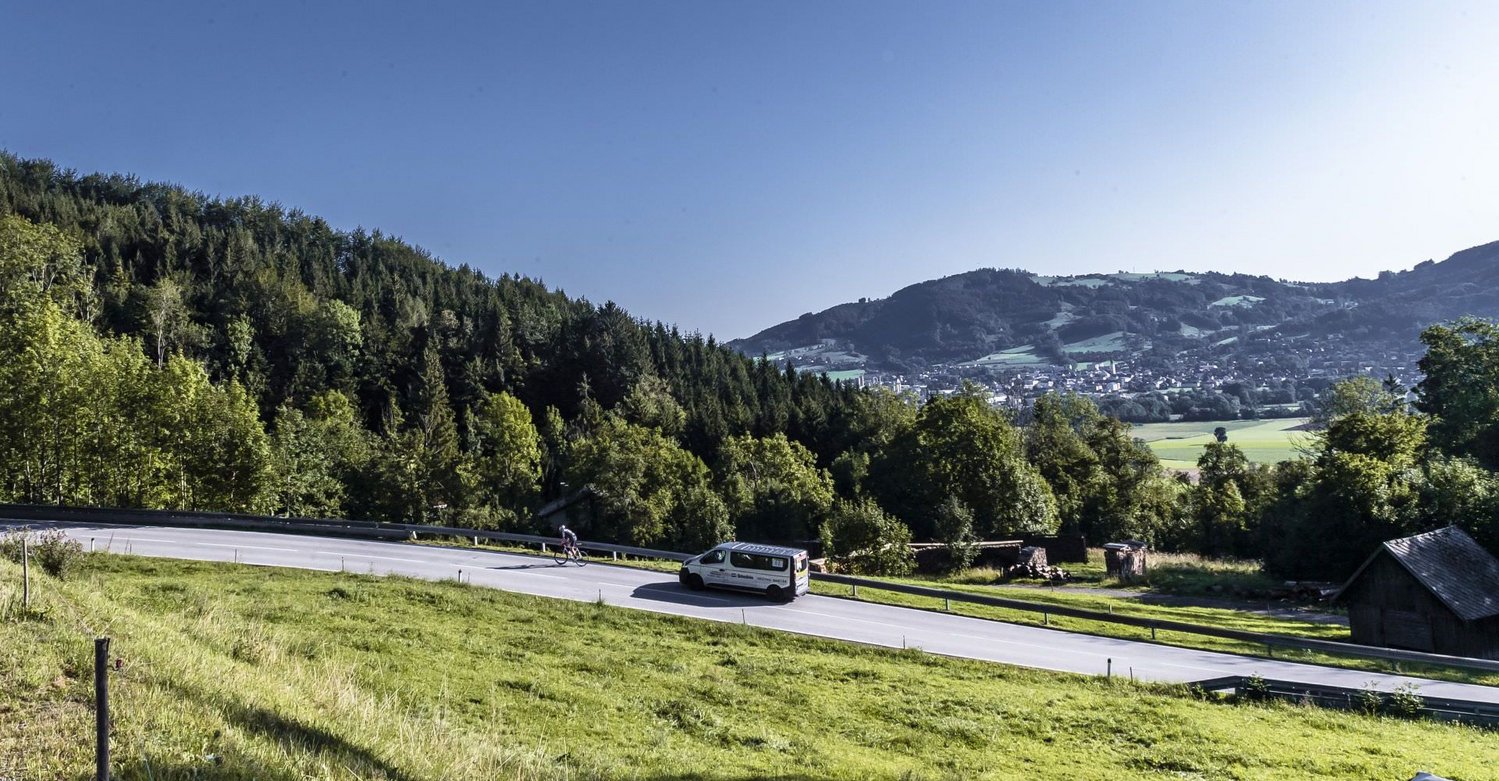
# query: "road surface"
x,y
842,619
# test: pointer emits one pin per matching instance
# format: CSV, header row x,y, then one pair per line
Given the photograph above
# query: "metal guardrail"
x,y
1465,711
341,527
1257,638
392,531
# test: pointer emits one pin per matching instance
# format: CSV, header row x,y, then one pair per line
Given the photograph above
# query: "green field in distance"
x,y
1263,441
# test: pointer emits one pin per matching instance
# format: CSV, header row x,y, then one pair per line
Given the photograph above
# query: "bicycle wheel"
x,y
561,555
577,556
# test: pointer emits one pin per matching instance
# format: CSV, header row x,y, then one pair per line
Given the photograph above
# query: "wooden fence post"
x,y
101,708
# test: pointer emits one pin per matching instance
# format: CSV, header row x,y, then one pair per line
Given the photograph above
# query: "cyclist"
x,y
569,541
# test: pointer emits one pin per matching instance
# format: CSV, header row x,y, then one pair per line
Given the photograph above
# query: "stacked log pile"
x,y
1032,564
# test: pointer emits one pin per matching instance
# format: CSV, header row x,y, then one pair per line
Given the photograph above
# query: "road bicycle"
x,y
565,554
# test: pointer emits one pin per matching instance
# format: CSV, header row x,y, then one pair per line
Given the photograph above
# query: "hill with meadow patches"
x,y
1011,318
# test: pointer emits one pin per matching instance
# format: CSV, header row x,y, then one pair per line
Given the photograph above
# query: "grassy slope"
x,y
239,672
1265,442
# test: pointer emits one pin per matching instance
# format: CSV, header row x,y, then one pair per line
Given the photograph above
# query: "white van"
x,y
776,572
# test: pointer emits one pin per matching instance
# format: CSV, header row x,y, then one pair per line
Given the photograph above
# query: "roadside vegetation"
x,y
241,672
1169,574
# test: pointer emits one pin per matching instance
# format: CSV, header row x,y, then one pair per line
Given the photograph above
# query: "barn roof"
x,y
1454,568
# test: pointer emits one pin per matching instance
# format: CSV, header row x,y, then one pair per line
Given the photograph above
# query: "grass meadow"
x,y
241,672
1179,444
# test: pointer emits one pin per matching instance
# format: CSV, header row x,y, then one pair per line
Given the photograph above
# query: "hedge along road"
x,y
830,617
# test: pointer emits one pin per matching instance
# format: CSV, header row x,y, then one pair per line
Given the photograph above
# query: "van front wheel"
x,y
695,582
775,592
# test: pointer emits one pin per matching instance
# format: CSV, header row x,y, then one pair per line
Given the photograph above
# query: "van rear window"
x,y
756,561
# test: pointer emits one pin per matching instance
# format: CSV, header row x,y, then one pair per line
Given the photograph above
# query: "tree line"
x,y
161,348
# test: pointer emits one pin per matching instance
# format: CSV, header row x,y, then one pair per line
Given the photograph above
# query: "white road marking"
x,y
367,556
542,575
243,547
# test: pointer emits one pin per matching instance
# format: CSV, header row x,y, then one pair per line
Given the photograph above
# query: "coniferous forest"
x,y
163,349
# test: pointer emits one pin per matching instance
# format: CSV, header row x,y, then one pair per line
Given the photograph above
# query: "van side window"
x,y
712,557
756,561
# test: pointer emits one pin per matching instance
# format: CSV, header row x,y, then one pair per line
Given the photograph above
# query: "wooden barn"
x,y
1436,592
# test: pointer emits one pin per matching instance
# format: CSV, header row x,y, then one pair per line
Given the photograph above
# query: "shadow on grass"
x,y
231,770
757,777
284,730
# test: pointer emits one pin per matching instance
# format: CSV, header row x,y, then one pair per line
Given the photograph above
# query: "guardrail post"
x,y
1152,633
1109,671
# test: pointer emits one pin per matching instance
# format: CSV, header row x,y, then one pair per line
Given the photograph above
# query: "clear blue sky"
x,y
726,166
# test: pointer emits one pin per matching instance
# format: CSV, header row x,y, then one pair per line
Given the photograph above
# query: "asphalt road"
x,y
842,619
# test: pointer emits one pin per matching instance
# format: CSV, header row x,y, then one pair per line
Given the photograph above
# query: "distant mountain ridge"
x,y
1000,318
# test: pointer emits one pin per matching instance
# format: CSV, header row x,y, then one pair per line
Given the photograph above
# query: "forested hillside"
x,y
298,314
168,349
160,348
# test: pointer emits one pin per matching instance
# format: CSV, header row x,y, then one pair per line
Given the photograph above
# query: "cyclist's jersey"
x,y
568,538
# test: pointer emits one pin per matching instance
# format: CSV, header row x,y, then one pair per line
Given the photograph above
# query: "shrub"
x,y
862,539
1369,701
955,530
1254,689
1404,702
52,550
